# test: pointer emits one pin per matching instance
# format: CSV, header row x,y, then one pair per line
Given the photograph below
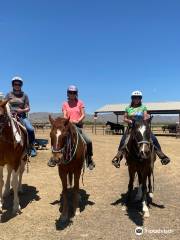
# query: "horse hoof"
x,y
63,219
16,210
151,195
124,208
77,212
80,198
1,205
146,214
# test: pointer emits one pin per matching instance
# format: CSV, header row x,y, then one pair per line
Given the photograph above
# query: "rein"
x,y
146,142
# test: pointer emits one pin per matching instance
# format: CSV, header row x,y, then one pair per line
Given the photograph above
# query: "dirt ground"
x,y
102,215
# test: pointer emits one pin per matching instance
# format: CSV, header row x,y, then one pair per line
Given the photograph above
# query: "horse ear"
x,y
51,120
4,102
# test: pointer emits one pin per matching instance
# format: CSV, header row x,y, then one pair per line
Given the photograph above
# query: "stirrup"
x,y
116,163
165,160
51,163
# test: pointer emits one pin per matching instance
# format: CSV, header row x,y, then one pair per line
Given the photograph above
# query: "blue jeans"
x,y
155,141
153,137
29,128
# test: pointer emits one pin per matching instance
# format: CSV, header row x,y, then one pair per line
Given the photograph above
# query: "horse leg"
x,y
150,185
21,171
7,185
1,187
139,194
14,184
76,193
64,215
144,198
70,178
151,175
131,181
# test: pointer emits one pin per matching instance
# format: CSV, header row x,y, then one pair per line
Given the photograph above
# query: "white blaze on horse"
x,y
13,153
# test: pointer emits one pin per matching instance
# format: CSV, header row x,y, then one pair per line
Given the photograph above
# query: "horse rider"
x,y
136,111
74,109
19,106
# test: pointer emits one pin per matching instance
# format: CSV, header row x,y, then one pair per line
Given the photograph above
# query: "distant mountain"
x,y
43,117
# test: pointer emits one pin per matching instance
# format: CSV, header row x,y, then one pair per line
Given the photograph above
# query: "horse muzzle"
x,y
144,151
57,157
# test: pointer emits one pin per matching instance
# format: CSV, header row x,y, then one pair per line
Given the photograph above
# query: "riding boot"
x,y
90,162
164,159
32,152
51,163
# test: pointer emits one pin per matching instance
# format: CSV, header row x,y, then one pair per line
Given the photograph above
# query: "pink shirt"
x,y
73,110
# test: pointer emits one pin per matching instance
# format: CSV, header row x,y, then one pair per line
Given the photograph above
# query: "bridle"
x,y
67,158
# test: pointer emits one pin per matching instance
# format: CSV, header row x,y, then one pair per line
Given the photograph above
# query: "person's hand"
x,y
75,122
131,123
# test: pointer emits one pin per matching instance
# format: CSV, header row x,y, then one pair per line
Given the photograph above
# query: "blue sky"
x,y
106,48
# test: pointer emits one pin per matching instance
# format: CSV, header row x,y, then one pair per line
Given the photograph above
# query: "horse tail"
x,y
70,178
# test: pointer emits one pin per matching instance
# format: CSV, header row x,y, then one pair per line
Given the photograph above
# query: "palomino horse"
x,y
140,156
13,154
68,151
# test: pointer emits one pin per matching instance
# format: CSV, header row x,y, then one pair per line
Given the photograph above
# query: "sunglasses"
x,y
136,97
74,93
17,84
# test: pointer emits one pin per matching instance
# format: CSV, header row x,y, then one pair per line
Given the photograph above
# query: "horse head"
x,y
141,136
60,134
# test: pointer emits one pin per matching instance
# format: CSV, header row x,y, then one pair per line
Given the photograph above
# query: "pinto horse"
x,y
68,151
140,156
13,154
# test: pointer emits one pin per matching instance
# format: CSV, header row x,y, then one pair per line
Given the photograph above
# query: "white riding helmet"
x,y
136,94
72,88
17,78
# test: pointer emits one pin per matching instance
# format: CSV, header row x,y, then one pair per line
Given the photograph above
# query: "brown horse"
x,y
13,154
68,151
140,156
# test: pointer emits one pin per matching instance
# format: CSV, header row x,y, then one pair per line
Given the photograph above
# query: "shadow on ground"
x,y
83,202
134,209
30,194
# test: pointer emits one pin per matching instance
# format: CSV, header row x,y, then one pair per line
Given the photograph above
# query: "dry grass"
x,y
102,216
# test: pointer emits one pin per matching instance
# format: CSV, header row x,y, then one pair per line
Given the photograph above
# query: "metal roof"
x,y
153,108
